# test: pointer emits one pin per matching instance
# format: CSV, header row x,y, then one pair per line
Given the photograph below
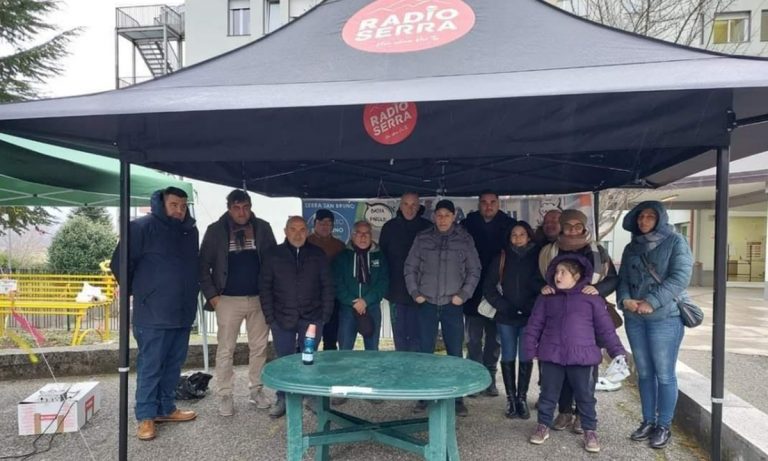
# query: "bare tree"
x,y
612,203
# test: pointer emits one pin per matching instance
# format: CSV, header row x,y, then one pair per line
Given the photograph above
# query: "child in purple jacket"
x,y
565,332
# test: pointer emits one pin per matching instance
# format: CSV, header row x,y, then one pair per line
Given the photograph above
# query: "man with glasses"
x,y
231,258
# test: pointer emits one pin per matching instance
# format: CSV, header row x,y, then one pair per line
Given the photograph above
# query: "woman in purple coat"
x,y
569,354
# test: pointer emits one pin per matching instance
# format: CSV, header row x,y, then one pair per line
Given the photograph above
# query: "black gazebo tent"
x,y
517,96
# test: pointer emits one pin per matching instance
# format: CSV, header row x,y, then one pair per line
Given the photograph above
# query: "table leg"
x,y
438,423
452,445
294,415
323,425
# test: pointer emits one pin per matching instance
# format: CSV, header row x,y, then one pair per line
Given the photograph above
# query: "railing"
x,y
151,15
125,82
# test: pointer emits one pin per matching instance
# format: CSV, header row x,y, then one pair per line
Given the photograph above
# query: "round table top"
x,y
377,375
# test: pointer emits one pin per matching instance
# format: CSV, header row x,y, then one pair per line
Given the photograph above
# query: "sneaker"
x,y
660,437
562,422
643,432
259,399
577,429
420,407
461,409
540,435
605,385
590,442
336,401
226,405
278,409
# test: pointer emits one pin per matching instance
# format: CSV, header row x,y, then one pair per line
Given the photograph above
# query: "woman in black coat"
x,y
511,287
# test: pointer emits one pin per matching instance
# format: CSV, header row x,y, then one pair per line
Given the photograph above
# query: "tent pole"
x,y
124,366
596,210
718,312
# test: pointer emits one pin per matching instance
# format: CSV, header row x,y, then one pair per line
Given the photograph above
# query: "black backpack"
x,y
192,386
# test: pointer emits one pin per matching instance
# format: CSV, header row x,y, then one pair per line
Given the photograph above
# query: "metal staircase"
x,y
156,33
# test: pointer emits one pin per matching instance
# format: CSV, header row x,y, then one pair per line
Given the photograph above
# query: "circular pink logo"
x,y
401,26
390,123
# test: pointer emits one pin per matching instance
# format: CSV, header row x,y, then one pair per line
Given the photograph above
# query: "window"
x,y
239,17
764,26
271,15
731,27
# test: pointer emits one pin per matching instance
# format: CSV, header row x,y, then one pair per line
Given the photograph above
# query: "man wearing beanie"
x,y
322,236
489,228
441,273
575,237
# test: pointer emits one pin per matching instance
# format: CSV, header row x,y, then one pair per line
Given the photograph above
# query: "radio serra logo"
x,y
390,123
401,26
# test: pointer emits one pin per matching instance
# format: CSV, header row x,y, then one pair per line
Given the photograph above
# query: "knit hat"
x,y
570,215
323,214
446,204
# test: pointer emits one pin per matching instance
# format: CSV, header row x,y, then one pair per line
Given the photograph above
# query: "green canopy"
x,y
34,173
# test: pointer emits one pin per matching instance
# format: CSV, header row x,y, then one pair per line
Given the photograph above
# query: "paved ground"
x,y
485,434
252,435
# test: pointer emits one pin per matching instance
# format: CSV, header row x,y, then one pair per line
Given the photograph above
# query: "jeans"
x,y
291,341
348,328
511,338
583,383
451,320
481,328
162,352
406,327
230,313
655,345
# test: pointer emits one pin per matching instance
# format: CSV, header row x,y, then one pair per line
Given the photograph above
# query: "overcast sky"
x,y
91,66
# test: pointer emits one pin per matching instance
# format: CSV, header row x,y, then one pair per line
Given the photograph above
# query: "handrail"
x,y
150,15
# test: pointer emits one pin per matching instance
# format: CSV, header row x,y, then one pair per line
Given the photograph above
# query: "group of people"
x,y
548,288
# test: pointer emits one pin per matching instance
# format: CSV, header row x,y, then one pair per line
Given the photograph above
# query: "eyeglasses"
x,y
576,227
362,233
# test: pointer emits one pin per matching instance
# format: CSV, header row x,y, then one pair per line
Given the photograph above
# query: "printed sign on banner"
x,y
380,210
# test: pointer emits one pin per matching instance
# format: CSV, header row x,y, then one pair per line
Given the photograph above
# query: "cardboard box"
x,y
59,407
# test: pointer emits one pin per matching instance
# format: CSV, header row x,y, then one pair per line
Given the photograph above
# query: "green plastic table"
x,y
437,379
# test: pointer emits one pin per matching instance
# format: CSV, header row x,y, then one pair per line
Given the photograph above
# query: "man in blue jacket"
x,y
162,277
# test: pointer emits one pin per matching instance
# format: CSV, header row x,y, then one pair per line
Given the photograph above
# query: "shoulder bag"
x,y
485,308
690,313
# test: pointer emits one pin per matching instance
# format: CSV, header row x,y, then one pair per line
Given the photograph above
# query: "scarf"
x,y
522,251
361,267
644,243
240,236
574,242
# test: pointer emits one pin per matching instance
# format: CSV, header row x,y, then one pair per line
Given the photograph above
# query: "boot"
x,y
522,390
492,390
508,375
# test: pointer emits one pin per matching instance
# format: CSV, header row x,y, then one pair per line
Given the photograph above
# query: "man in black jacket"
x,y
489,228
162,277
296,287
395,241
230,261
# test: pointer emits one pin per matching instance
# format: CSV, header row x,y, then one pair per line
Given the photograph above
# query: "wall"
x,y
206,24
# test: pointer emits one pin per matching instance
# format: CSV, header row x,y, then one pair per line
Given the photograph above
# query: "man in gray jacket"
x,y
230,261
441,273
